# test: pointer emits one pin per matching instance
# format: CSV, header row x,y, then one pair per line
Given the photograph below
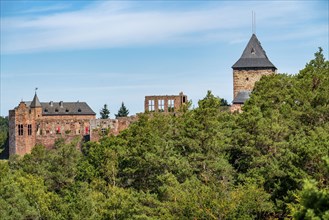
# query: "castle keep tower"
x,y
252,65
21,125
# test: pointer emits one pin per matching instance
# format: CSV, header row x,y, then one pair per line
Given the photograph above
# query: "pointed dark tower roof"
x,y
35,102
253,56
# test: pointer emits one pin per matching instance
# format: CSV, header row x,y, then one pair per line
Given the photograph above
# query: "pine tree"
x,y
123,111
223,102
105,112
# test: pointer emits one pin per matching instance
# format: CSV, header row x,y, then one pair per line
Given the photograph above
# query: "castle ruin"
x,y
36,122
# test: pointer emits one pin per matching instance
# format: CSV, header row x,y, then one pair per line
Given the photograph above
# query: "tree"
x,y
313,202
123,111
223,102
105,112
4,124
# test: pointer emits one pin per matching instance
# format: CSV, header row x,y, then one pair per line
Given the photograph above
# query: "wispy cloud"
x,y
42,9
117,24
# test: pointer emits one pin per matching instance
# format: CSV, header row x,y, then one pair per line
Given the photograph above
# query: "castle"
x,y
36,122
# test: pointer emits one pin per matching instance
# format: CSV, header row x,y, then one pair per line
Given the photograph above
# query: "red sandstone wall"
x,y
236,108
68,127
113,126
22,115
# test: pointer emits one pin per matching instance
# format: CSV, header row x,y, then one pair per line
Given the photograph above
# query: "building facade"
x,y
166,103
36,122
252,65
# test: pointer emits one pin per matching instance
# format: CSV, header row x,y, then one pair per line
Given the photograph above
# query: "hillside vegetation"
x,y
3,132
269,162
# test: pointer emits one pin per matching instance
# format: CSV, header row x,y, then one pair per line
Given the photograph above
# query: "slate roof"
x,y
241,97
35,102
253,56
64,108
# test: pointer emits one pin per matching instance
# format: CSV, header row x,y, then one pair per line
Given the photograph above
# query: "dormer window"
x,y
66,110
79,110
252,51
46,110
56,110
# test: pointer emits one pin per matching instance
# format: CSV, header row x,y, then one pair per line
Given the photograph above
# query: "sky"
x,y
109,52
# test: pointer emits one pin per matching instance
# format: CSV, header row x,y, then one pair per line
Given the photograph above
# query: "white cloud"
x,y
116,24
43,9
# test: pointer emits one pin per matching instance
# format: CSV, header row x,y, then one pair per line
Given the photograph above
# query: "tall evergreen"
x,y
123,111
105,112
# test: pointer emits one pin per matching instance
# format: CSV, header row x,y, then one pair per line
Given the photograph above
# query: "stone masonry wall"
x,y
68,127
104,127
236,108
164,103
22,143
12,132
245,79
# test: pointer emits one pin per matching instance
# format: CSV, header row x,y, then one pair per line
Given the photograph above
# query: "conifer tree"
x,y
123,111
104,112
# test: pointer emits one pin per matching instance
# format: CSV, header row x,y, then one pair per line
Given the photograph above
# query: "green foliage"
x,y
4,126
313,199
269,162
104,112
223,102
123,111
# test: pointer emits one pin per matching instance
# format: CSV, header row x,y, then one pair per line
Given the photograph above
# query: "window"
x,y
161,105
29,129
56,110
66,110
20,129
184,99
58,130
151,105
171,105
79,110
46,110
103,131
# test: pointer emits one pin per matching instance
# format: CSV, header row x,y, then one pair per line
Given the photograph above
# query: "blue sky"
x,y
113,51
